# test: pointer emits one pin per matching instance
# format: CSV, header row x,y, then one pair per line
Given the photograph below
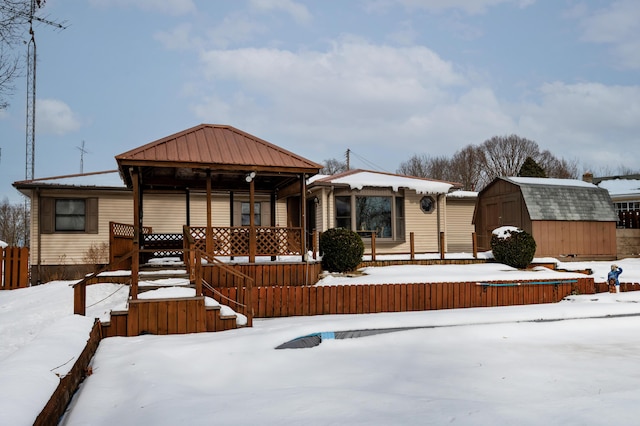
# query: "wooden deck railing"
x,y
234,241
193,262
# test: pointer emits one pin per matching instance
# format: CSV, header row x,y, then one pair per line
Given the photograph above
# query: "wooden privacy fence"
x,y
14,268
271,302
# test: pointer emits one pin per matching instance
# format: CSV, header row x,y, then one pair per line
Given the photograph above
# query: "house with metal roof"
x,y
568,218
236,195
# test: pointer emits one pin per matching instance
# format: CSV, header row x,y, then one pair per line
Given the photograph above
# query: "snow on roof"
x,y
621,186
358,179
110,178
551,181
462,194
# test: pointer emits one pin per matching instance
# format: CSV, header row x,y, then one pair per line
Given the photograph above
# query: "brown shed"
x,y
568,218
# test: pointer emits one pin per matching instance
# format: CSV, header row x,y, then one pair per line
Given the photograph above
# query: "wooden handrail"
x,y
248,306
80,288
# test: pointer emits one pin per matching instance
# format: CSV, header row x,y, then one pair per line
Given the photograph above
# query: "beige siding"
x,y
459,224
72,248
423,225
220,212
281,212
165,213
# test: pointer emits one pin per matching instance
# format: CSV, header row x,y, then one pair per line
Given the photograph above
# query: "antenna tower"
x,y
82,153
31,87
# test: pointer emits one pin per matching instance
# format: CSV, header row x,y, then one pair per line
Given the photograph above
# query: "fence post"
x,y
412,245
373,246
2,258
474,243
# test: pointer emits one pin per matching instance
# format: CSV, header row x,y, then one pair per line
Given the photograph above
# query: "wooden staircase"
x,y
167,315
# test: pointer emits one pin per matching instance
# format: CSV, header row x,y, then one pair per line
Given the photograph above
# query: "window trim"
x,y
394,196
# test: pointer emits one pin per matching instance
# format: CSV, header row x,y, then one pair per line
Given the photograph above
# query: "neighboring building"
x,y
624,192
568,218
391,207
625,195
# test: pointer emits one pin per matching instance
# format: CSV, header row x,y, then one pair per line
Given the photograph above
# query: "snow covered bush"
x,y
341,249
512,246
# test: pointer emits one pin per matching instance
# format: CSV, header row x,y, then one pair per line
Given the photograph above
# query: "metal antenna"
x,y
82,153
31,88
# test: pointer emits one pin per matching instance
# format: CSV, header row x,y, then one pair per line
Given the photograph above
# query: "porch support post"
x,y
137,230
187,206
252,224
272,206
209,233
303,216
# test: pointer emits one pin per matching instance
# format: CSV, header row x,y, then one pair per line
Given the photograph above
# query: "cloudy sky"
x,y
386,79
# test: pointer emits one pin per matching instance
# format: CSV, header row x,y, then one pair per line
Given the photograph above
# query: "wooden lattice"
x,y
234,241
165,245
125,230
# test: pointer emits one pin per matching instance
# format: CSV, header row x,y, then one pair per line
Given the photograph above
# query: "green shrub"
x,y
513,247
341,249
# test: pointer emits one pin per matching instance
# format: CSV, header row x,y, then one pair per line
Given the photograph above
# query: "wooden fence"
x,y
14,268
271,302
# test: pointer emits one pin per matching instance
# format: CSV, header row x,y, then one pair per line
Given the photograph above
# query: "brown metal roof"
x,y
212,144
224,152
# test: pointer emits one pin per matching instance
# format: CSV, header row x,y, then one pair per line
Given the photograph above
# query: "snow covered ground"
x,y
474,366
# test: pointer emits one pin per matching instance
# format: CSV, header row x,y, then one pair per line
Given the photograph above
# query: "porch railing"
x,y
234,241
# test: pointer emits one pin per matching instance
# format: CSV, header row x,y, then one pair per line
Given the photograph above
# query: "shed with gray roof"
x,y
568,218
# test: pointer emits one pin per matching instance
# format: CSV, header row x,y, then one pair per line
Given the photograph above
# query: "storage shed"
x,y
569,219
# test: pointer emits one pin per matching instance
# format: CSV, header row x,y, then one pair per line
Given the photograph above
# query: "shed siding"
x,y
575,239
501,204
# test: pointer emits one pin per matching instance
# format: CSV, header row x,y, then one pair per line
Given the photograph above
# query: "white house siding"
x,y
71,248
459,224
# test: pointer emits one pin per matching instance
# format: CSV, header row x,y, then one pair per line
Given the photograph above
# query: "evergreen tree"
x,y
531,169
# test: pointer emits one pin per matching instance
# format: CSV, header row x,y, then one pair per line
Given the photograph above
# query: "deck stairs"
x,y
173,314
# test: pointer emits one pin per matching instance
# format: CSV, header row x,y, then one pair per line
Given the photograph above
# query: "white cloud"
x,y
179,38
617,25
168,7
387,103
55,117
297,11
591,121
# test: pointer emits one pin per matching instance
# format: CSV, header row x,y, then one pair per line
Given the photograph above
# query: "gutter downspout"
x,y
39,237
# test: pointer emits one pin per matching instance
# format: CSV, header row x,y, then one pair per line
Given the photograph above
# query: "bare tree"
x,y
333,166
14,224
417,165
476,166
504,155
467,166
558,167
14,20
